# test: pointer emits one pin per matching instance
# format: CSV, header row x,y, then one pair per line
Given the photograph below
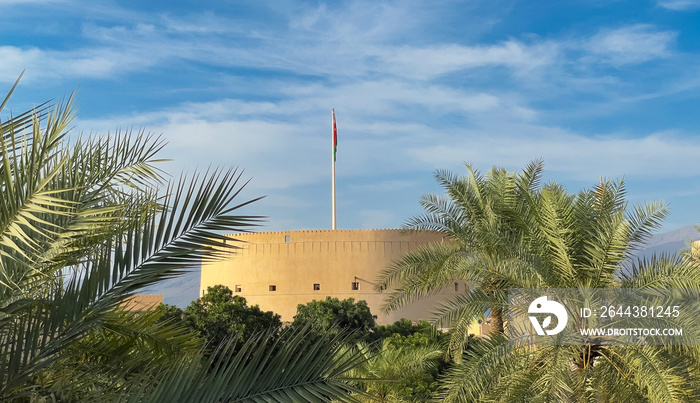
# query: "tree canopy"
x,y
219,315
332,316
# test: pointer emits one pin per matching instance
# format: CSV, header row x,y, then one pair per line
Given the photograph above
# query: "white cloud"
x,y
13,60
49,64
630,45
203,24
680,5
655,155
437,60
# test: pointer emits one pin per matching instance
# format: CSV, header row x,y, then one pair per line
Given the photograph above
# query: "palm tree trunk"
x,y
496,320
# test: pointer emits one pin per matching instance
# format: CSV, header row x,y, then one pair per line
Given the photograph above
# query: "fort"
x,y
280,270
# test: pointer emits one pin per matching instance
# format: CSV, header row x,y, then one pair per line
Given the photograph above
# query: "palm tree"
x,y
586,241
86,224
482,218
394,372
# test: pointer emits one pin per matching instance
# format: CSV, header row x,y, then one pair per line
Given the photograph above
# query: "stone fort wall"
x,y
279,270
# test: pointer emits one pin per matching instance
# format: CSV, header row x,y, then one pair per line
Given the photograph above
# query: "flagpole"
x,y
334,144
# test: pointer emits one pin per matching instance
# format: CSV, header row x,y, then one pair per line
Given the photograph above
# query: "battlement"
x,y
319,231
336,237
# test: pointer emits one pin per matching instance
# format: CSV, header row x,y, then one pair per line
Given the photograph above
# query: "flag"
x,y
335,136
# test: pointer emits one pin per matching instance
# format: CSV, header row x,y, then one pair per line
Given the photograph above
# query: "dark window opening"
x,y
237,288
456,286
317,287
273,288
355,286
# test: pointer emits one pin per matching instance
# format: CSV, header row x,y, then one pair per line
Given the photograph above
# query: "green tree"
x,y
219,316
86,224
170,314
405,327
333,316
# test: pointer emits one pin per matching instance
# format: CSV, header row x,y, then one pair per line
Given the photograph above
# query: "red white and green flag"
x,y
335,136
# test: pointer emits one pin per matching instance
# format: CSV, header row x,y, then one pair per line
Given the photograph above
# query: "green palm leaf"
x,y
268,368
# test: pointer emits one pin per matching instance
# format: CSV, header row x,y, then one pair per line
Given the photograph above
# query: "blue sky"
x,y
595,88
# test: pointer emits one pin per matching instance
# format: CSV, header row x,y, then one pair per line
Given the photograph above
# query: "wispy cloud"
x,y
437,60
680,5
629,45
653,155
40,64
367,43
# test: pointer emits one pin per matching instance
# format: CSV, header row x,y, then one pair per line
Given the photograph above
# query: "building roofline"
x,y
310,231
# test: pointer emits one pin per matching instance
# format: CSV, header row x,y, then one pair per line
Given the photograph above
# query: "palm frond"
x,y
82,229
266,369
481,369
425,271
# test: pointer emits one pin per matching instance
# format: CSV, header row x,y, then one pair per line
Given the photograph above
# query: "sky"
x,y
592,87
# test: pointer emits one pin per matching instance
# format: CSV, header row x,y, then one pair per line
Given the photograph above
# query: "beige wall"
x,y
332,259
142,302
